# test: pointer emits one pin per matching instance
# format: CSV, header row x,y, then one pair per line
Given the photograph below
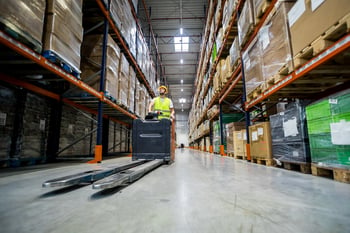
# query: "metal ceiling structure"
x,y
166,17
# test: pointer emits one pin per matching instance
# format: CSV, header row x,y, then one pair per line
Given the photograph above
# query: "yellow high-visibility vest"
x,y
162,105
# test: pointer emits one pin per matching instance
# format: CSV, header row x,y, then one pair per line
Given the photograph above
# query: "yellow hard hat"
x,y
164,87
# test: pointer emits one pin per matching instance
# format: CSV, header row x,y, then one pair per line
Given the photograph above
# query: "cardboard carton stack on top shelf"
x,y
276,48
64,31
245,22
123,80
91,64
252,68
131,89
26,19
229,8
307,18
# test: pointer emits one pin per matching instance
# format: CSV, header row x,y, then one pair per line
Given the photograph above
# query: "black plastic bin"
x,y
151,139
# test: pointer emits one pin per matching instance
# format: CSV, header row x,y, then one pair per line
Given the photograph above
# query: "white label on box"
x,y
315,4
295,154
255,135
282,113
295,13
290,127
333,101
340,133
244,136
239,135
260,131
264,36
42,125
3,118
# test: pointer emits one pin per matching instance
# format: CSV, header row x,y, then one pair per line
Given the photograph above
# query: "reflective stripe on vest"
x,y
162,106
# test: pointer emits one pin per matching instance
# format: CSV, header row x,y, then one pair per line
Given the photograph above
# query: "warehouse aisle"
x,y
199,193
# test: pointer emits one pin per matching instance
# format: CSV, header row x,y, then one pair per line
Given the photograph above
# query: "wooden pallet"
x,y
338,174
262,161
323,41
302,167
257,91
242,157
20,35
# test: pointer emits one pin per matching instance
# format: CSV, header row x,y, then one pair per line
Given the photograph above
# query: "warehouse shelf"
x,y
205,38
234,82
229,31
113,115
293,85
158,58
46,66
125,47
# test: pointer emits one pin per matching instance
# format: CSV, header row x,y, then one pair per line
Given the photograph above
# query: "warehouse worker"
x,y
162,104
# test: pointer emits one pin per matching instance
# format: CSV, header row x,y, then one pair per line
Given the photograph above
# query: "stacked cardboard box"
x,y
26,18
212,111
219,39
230,129
91,64
289,134
226,71
260,141
142,102
313,12
216,136
131,89
123,80
239,142
275,42
207,143
64,30
122,16
245,22
252,67
234,54
329,130
229,7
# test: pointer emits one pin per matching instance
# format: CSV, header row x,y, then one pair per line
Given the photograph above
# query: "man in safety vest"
x,y
162,104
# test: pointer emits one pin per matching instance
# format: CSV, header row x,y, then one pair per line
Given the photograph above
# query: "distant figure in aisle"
x,y
162,104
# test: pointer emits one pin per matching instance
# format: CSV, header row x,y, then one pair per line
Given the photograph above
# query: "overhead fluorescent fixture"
x,y
181,61
182,100
181,43
181,31
182,81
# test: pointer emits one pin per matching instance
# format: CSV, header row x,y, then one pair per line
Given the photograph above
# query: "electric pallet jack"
x,y
153,145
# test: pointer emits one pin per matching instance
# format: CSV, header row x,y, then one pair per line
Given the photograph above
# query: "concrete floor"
x,y
199,193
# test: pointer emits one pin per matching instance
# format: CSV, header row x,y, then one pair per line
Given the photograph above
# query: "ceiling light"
x,y
182,89
181,61
182,100
182,81
182,110
181,31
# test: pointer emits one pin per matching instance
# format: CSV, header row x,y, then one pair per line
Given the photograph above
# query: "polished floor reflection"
x,y
200,192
